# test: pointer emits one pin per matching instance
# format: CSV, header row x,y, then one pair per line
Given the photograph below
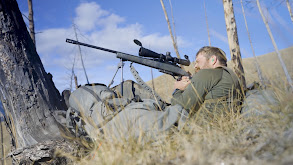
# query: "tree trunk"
x,y
289,9
31,20
26,90
233,41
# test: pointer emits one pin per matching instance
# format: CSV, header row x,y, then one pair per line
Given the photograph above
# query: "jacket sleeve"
x,y
193,96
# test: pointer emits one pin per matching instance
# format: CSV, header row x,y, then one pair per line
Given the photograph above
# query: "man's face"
x,y
201,62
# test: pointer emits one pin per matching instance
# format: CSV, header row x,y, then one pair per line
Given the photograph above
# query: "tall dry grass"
x,y
234,138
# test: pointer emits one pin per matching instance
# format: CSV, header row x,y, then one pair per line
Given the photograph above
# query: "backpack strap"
x,y
91,92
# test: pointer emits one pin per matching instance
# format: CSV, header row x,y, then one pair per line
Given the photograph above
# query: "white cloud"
x,y
110,21
119,38
87,15
219,36
101,28
52,47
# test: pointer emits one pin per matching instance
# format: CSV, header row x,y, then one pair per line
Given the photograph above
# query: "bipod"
x,y
120,65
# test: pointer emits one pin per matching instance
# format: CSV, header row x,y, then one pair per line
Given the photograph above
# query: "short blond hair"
x,y
209,51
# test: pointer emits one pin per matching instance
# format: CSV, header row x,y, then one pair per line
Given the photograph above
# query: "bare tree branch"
x,y
170,30
259,73
289,9
206,17
275,46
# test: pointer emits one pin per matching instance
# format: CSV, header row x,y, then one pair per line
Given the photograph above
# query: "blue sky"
x,y
114,24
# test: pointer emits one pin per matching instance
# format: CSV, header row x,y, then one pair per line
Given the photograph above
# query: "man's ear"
x,y
214,59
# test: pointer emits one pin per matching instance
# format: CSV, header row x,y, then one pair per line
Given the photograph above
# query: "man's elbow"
x,y
174,101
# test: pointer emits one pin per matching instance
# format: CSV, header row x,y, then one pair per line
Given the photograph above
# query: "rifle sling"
x,y
143,84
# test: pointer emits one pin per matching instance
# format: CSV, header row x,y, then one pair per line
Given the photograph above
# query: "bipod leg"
x,y
122,80
120,65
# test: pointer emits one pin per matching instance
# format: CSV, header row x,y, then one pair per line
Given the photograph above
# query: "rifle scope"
x,y
148,53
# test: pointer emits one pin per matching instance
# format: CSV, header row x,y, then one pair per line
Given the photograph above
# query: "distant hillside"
x,y
269,64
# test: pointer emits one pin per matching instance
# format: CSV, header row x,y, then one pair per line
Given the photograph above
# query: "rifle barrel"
x,y
91,46
167,67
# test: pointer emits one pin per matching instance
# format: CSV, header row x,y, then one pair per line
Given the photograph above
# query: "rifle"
x,y
164,63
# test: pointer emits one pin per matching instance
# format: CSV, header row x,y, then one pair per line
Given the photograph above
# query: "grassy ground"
x,y
247,138
230,139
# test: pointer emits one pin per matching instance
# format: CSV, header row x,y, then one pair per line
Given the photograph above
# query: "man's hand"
x,y
182,84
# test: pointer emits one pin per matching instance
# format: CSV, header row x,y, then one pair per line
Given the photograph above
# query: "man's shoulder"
x,y
205,74
232,74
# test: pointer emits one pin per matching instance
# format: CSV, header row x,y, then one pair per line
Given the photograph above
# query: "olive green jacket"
x,y
207,85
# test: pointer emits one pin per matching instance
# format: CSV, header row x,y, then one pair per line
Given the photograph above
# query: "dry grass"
x,y
231,139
